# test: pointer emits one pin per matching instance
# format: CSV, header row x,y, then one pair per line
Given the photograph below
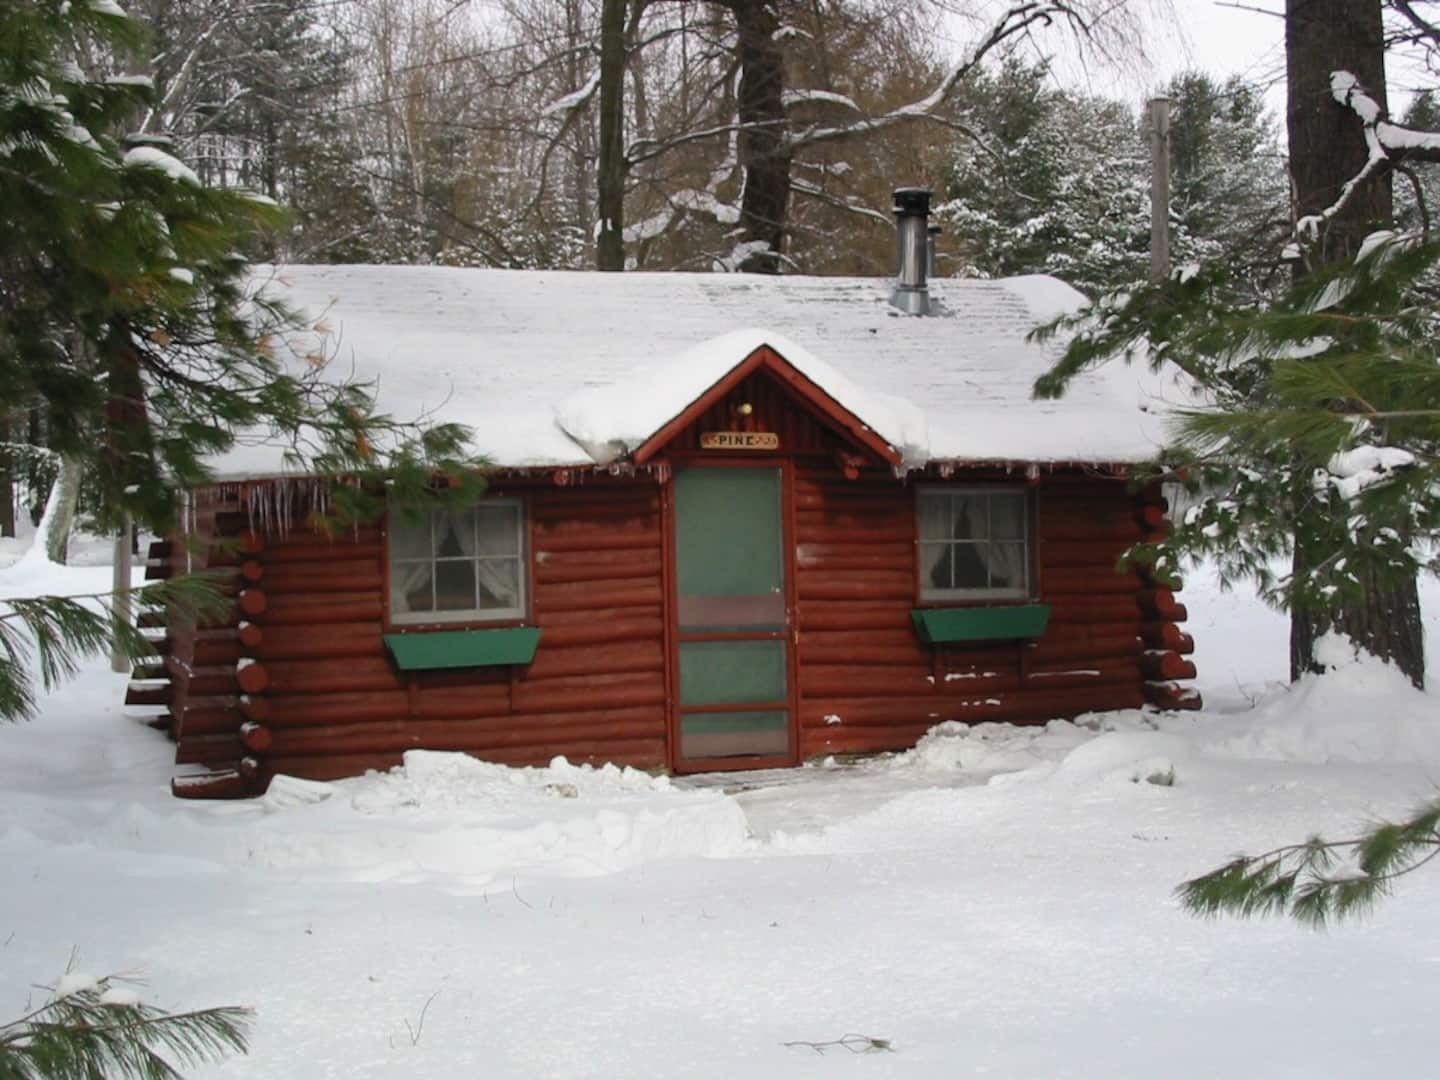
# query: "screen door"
x,y
731,617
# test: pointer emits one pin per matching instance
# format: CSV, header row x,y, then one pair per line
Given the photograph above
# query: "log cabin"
x,y
701,547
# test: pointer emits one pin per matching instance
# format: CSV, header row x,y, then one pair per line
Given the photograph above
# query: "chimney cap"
x,y
912,201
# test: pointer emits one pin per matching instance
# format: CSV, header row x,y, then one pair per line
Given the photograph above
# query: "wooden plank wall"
x,y
867,683
317,695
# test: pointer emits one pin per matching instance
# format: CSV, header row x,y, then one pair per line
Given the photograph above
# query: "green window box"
x,y
433,650
938,626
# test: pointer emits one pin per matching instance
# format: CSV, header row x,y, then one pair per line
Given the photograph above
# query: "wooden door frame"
x,y
789,636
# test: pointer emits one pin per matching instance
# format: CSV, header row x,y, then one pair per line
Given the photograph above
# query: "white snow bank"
x,y
990,747
1099,748
451,815
1361,711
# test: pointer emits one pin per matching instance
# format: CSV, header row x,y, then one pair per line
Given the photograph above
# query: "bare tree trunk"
x,y
61,516
7,482
34,435
1386,623
764,153
1327,146
610,202
1327,149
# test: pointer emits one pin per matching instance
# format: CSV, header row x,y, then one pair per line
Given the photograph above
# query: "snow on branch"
x,y
1016,20
1386,141
851,205
803,97
575,99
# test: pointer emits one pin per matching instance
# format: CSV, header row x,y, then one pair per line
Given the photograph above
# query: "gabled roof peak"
x,y
639,413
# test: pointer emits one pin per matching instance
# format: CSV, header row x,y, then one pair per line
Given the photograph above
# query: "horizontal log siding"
x,y
867,683
594,692
202,660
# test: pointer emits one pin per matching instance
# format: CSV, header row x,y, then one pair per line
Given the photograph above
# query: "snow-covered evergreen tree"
x,y
128,320
1059,182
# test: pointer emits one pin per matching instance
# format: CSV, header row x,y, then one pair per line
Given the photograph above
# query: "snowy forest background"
x,y
430,131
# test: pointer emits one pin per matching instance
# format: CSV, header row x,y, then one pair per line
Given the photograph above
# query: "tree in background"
x,y
132,326
1058,182
1229,191
1316,433
757,133
1342,194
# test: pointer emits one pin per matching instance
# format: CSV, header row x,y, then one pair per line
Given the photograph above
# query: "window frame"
x,y
460,619
928,595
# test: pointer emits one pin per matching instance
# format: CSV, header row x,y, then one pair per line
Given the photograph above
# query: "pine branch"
x,y
99,1030
54,634
1318,881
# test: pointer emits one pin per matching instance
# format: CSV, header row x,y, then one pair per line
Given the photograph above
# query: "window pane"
x,y
411,587
970,569
410,541
459,565
935,572
455,585
1007,516
454,533
499,530
1008,569
968,514
499,584
934,516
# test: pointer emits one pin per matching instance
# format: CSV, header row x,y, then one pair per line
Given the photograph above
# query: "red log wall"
x,y
866,680
297,678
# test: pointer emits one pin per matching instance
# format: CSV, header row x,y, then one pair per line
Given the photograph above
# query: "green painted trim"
x,y
937,626
429,650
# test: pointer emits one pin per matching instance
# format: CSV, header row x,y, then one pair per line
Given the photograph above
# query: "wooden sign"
x,y
739,440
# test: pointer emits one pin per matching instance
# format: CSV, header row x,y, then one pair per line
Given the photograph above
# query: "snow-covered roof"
x,y
570,368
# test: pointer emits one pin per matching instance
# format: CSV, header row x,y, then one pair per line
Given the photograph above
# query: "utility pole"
x,y
1159,188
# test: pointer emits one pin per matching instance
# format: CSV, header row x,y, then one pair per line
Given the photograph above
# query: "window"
x,y
974,544
459,565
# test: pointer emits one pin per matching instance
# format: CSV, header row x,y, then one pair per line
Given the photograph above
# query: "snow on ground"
x,y
996,902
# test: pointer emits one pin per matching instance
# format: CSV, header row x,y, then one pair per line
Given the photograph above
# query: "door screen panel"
x,y
731,569
734,734
732,672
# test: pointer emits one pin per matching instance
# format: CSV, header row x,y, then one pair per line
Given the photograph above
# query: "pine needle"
x,y
1320,881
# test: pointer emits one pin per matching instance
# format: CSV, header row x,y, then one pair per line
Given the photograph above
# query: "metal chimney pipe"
x,y
932,238
912,217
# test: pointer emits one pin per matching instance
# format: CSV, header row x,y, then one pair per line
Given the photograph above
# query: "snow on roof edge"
x,y
610,421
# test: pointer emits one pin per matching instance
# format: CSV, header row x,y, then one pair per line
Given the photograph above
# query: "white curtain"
x,y
983,562
1007,565
935,525
409,577
493,578
1007,557
971,522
